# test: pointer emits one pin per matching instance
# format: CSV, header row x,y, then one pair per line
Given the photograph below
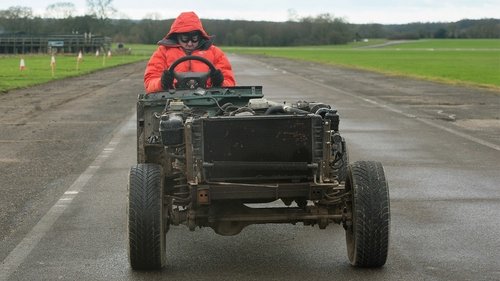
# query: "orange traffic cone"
x,y
22,65
53,64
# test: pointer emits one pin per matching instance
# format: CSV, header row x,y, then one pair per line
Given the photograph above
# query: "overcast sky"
x,y
354,11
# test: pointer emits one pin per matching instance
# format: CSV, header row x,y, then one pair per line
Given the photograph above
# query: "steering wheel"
x,y
191,80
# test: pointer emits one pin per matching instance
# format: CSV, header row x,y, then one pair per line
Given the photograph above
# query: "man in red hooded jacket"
x,y
186,37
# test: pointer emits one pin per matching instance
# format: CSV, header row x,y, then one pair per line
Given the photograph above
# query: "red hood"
x,y
187,22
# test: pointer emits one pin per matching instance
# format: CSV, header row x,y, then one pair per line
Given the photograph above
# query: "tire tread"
x,y
372,214
146,250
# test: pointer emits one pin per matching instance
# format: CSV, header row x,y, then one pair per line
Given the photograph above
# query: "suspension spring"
x,y
181,192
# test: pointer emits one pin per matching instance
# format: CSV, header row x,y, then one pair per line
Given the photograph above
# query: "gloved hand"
x,y
167,80
217,78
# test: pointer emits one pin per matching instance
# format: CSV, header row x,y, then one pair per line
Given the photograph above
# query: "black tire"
x,y
367,234
146,230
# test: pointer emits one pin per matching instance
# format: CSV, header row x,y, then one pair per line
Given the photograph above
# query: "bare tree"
x,y
292,15
60,10
102,9
17,19
17,12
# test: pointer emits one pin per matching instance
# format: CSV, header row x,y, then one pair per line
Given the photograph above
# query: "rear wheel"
x,y
146,228
367,233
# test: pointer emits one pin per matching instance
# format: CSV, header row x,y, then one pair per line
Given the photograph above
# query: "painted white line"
x,y
71,192
425,121
17,256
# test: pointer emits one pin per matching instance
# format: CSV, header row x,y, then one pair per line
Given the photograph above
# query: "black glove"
x,y
217,78
167,80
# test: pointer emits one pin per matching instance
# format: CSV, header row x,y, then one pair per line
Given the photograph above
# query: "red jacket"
x,y
169,51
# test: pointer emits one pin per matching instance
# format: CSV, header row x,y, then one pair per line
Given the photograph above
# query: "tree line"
x,y
323,29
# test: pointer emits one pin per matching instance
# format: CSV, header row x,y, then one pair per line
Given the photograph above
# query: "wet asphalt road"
x,y
444,186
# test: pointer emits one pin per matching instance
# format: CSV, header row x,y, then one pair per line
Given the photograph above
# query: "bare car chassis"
x,y
205,156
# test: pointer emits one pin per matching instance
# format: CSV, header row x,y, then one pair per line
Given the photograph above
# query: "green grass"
x,y
467,62
38,69
458,44
142,49
459,61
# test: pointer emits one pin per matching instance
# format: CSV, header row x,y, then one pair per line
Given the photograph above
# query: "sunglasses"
x,y
186,37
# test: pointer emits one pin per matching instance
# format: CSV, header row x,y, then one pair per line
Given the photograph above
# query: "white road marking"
x,y
17,256
425,121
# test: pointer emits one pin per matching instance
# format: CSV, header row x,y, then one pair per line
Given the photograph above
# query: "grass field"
x,y
473,62
468,62
38,67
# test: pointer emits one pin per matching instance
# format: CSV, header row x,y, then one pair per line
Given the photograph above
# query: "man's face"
x,y
189,41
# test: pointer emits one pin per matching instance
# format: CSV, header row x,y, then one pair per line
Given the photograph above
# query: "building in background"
x,y
74,43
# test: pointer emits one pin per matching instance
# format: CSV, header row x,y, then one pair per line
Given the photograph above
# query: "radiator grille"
x,y
261,147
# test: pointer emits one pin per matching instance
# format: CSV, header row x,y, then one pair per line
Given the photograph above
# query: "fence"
x,y
53,44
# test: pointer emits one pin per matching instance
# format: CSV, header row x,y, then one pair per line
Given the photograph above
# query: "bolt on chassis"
x,y
205,156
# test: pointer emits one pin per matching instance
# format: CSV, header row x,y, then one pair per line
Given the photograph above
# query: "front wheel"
x,y
146,230
367,232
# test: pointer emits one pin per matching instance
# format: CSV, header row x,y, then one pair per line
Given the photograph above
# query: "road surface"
x,y
66,147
